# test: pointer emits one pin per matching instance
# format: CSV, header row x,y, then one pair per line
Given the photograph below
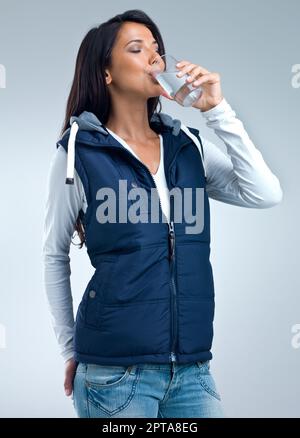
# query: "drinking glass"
x,y
166,74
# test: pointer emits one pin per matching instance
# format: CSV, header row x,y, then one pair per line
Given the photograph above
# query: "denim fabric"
x,y
146,390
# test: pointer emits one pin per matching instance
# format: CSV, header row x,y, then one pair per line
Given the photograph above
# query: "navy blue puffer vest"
x,y
151,297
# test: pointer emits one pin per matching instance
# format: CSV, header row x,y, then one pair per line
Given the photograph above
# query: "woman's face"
x,y
132,61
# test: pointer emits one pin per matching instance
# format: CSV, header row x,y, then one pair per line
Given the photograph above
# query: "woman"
x,y
140,346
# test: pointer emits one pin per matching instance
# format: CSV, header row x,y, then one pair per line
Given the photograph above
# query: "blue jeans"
x,y
146,390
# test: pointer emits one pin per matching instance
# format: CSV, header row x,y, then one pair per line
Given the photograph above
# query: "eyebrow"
x,y
140,41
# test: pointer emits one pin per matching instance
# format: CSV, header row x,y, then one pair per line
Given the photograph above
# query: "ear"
x,y
108,77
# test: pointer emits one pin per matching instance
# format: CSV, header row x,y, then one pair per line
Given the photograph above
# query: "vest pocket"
x,y
93,296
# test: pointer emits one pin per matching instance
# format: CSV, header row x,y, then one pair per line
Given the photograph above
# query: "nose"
x,y
154,61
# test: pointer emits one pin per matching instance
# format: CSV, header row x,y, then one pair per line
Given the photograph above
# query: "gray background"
x,y
255,253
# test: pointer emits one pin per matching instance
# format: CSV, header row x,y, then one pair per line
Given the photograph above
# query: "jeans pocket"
x,y
110,388
206,379
79,391
203,364
106,375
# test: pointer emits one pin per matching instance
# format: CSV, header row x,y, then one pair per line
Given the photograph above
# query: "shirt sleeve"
x,y
242,177
63,203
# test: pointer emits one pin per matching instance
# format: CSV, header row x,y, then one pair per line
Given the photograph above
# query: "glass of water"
x,y
166,74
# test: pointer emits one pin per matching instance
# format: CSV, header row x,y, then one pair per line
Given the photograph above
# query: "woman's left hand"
x,y
209,82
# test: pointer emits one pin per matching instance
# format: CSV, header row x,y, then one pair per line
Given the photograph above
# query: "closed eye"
x,y
136,51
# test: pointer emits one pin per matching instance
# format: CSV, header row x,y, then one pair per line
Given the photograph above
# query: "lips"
x,y
153,79
163,92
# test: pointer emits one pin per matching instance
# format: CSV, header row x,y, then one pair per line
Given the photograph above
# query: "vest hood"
x,y
87,121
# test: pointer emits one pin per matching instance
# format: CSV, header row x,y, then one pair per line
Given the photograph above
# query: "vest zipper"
x,y
171,239
174,294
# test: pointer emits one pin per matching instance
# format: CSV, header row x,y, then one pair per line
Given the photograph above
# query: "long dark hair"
x,y
89,91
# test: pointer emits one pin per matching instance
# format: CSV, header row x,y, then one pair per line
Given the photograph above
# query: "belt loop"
x,y
173,368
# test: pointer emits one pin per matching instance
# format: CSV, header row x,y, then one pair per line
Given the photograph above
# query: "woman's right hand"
x,y
70,370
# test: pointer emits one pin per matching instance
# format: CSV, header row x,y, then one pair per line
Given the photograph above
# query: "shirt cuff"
x,y
221,109
69,354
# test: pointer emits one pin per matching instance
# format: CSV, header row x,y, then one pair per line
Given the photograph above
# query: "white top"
x,y
240,178
159,176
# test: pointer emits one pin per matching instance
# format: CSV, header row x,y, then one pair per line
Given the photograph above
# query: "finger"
x,y
186,68
194,74
184,62
181,63
68,386
211,78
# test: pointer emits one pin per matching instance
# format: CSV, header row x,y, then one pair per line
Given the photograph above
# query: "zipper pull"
x,y
172,239
172,357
